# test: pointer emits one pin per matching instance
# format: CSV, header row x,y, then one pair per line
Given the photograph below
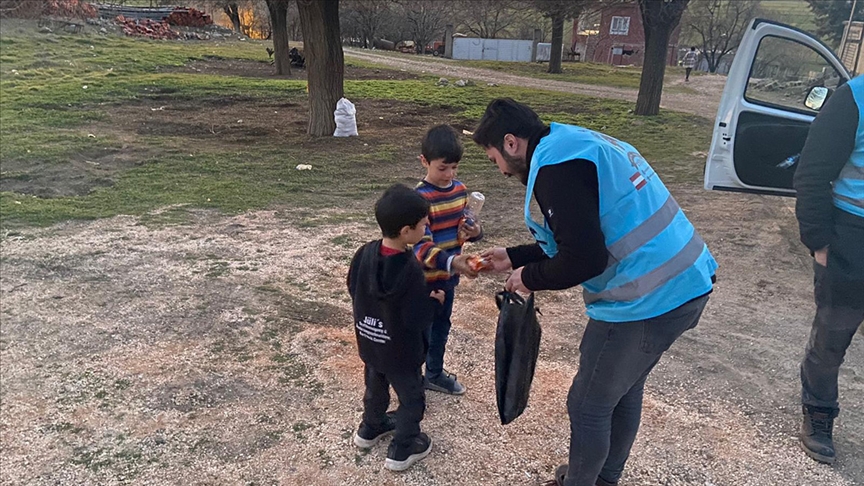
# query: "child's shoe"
x,y
366,436
445,383
400,460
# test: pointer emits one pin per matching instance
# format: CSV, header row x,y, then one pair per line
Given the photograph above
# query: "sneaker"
x,y
445,383
400,460
817,434
366,436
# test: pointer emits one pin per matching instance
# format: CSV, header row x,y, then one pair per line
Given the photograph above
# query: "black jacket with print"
x,y
392,309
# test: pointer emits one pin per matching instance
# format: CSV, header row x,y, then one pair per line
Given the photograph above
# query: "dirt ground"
x,y
221,350
703,102
218,122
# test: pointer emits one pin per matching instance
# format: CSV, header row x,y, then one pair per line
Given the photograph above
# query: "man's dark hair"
x,y
399,207
693,48
504,116
442,142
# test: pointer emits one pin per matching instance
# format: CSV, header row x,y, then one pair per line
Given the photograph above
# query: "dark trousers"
x,y
605,401
830,336
438,334
408,385
687,72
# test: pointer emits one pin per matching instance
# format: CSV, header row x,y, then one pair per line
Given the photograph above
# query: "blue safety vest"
x,y
657,261
849,186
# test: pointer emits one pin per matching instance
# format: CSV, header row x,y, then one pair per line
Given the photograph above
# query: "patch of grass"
x,y
343,241
576,72
45,111
324,457
122,384
122,462
62,427
295,373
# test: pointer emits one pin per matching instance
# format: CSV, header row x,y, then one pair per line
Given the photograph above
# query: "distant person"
x,y
610,225
392,314
829,181
690,60
440,252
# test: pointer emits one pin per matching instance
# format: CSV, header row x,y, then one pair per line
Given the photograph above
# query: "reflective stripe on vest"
x,y
849,186
657,261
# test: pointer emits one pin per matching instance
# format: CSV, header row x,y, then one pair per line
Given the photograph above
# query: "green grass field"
x,y
97,126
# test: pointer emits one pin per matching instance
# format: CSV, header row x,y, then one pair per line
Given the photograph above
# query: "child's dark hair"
x,y
399,207
442,142
504,116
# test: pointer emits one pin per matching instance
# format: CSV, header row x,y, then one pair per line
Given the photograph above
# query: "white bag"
x,y
346,122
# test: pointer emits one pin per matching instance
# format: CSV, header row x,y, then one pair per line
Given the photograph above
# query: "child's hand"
x,y
468,231
438,295
460,265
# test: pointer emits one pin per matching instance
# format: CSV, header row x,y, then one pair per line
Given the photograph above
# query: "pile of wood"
x,y
147,28
189,17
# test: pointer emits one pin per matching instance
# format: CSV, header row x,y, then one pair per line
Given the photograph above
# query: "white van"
x,y
780,78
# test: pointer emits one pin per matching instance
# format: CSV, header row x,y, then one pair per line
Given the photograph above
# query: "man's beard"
x,y
516,166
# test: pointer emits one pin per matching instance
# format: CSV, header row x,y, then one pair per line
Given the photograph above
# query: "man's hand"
x,y
468,231
514,283
499,258
459,264
821,256
438,295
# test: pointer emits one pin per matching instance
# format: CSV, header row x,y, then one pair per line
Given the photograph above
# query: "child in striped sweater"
x,y
440,251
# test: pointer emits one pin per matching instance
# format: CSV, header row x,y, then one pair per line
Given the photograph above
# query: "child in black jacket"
x,y
392,313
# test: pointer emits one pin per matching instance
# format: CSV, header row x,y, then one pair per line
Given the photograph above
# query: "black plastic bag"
x,y
517,344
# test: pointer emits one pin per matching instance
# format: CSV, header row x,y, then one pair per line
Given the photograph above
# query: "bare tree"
x,y
279,31
490,18
718,25
659,18
366,17
426,20
559,11
533,19
325,62
233,13
295,32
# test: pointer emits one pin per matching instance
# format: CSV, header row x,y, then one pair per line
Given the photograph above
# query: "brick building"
x,y
614,35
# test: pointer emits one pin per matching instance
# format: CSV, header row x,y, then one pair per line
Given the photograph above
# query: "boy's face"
x,y
413,235
439,172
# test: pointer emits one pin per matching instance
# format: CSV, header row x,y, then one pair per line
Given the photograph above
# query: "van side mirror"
x,y
816,97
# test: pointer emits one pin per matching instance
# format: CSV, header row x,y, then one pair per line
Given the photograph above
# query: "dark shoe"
x,y
400,460
817,434
445,383
367,436
561,473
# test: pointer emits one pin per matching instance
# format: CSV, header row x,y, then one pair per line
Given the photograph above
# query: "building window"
x,y
620,26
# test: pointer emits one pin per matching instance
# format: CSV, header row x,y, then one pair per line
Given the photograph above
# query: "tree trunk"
x,y
279,31
713,61
325,64
233,13
659,18
557,42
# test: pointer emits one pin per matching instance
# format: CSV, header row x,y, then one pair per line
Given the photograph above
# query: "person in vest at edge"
x,y
830,209
610,225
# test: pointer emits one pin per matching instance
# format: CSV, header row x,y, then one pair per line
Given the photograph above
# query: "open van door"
x,y
780,78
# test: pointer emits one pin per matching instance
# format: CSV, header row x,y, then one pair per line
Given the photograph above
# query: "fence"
x,y
476,49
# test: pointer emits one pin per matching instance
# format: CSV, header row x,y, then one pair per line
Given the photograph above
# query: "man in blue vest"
x,y
830,209
610,225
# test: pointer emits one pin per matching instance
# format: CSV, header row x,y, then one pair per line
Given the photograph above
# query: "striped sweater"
x,y
441,239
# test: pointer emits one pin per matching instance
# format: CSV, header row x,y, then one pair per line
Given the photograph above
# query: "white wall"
x,y
475,49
